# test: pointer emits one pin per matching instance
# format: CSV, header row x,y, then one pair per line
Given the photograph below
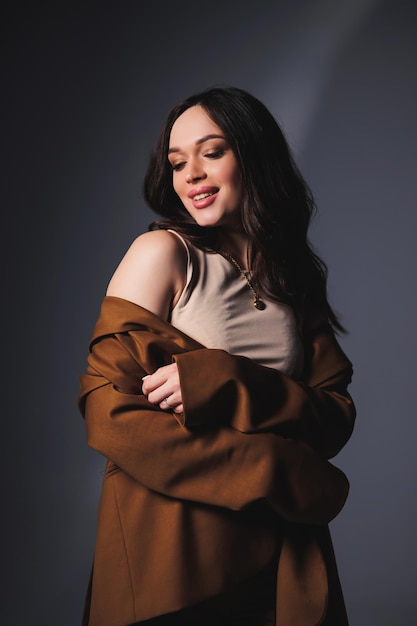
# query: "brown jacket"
x,y
194,504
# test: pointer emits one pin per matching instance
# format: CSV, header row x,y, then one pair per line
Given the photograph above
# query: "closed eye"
x,y
216,154
177,166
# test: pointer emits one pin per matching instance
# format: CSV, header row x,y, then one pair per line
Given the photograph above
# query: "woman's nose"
x,y
194,172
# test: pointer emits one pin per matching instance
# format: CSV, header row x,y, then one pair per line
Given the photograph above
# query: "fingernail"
x,y
147,376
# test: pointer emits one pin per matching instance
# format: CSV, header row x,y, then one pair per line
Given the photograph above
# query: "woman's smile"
x,y
203,196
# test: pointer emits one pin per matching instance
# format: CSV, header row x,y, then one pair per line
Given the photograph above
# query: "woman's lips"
x,y
203,196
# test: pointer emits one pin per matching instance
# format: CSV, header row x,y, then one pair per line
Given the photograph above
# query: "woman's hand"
x,y
163,388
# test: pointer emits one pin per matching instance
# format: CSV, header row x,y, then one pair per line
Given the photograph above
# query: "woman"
x,y
217,391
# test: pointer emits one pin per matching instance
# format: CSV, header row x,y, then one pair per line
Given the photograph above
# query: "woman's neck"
x,y
235,243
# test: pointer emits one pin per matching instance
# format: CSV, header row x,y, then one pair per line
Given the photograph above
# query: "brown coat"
x,y
193,504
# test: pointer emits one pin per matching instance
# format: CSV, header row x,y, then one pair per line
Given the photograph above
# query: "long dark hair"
x,y
277,203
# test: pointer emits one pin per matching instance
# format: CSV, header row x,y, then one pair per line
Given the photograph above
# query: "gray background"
x,y
85,91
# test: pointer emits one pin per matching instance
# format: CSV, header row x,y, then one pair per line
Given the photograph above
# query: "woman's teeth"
x,y
201,196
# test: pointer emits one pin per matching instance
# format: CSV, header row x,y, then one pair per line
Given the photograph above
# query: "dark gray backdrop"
x,y
85,91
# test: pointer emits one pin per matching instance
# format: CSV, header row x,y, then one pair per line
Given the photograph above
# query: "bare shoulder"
x,y
152,273
160,246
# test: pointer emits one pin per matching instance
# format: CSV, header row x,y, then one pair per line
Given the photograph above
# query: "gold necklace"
x,y
258,303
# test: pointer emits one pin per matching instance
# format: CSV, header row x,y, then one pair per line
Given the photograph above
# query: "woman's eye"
x,y
215,154
177,166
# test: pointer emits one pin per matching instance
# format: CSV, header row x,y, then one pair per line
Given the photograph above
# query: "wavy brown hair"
x,y
277,203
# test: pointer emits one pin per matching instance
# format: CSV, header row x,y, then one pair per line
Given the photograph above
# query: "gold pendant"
x,y
258,304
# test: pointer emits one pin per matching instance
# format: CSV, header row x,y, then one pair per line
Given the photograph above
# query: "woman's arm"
x,y
214,385
220,467
152,273
253,398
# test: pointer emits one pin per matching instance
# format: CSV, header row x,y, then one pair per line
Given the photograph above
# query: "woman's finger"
x,y
166,405
170,404
162,388
162,375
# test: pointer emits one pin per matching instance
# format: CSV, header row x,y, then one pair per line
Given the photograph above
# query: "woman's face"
x,y
206,175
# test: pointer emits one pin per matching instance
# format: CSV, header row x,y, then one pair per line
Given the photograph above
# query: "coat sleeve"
x,y
253,398
215,466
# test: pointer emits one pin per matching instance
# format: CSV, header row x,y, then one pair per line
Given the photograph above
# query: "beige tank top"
x,y
216,309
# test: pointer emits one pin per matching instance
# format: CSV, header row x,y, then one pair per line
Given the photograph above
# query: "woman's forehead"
x,y
192,126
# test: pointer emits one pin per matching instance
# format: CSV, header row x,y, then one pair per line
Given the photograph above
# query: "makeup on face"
x,y
206,175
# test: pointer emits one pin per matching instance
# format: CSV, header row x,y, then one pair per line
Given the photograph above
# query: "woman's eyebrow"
x,y
198,142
